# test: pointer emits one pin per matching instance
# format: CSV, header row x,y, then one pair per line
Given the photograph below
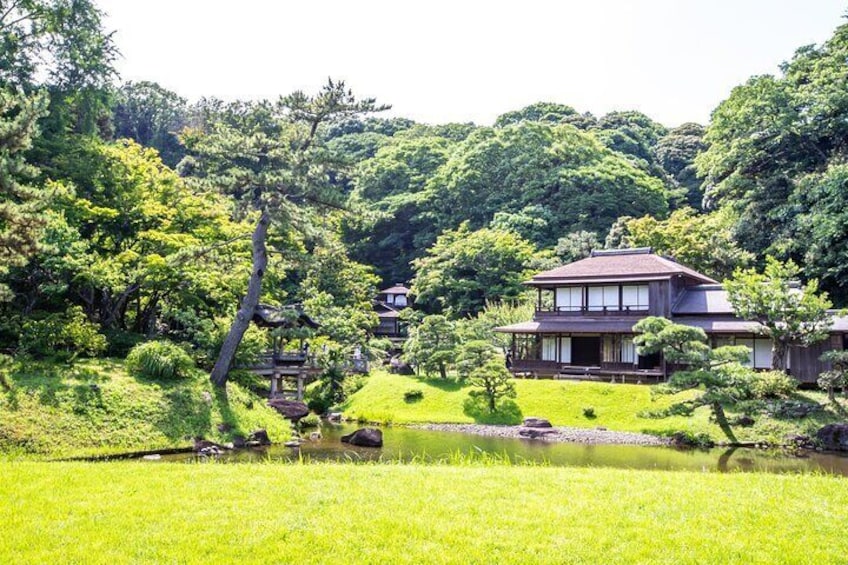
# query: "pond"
x,y
409,444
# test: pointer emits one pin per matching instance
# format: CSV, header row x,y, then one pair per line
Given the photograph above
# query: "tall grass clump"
x,y
159,360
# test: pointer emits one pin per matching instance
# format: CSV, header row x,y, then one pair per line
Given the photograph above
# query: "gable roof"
x,y
397,289
703,299
619,264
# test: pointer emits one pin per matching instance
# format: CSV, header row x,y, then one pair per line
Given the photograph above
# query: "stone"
x,y
152,457
204,445
534,433
315,436
365,437
292,443
239,441
224,427
260,437
334,416
833,437
798,440
292,410
745,421
536,423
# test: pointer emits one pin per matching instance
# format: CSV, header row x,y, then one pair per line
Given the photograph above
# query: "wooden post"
x,y
273,384
300,377
539,299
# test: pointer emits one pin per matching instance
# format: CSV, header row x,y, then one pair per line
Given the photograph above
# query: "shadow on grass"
x,y
506,411
184,416
447,385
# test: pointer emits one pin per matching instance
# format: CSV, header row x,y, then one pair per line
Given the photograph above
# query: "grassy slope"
x,y
97,408
616,406
169,513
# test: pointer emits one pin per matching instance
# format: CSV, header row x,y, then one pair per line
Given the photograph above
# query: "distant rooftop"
x,y
397,289
620,264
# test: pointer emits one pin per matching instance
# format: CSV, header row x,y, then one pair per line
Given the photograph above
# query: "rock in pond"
x,y
334,416
534,433
292,410
537,423
833,437
206,447
365,437
258,437
152,457
292,443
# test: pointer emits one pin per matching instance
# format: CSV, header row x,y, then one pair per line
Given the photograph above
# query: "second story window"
x,y
634,297
569,299
603,298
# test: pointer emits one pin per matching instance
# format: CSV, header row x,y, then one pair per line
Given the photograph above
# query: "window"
x,y
569,299
565,350
628,350
400,300
603,298
634,297
759,352
548,349
619,349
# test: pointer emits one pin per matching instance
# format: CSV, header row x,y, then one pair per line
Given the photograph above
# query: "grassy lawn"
x,y
95,407
171,513
616,407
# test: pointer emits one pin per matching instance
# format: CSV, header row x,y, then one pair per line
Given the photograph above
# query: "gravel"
x,y
556,434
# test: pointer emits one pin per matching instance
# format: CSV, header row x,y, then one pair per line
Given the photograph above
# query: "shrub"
x,y
210,337
159,360
413,395
67,334
309,421
772,384
589,412
319,404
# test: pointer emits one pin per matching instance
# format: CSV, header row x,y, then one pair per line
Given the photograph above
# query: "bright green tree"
x,y
492,382
431,345
788,313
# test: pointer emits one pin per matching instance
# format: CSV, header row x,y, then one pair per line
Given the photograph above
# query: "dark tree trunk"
x,y
778,356
443,371
221,370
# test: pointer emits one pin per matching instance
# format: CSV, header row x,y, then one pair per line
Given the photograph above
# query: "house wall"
x,y
659,298
804,362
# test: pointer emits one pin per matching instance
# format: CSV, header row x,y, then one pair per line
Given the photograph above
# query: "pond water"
x,y
408,444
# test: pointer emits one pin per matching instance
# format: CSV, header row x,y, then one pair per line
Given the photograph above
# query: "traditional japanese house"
x,y
585,312
388,305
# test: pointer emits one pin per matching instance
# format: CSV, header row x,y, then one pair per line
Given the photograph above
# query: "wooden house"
x,y
586,310
388,305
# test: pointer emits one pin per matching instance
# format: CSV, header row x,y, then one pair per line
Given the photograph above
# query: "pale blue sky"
x,y
441,61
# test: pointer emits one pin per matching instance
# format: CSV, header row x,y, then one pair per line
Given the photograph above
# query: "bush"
x,y
772,384
319,404
159,360
67,335
413,395
589,412
309,421
210,338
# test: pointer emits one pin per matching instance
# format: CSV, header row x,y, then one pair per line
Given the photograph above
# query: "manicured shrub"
x,y
413,395
159,360
68,334
772,384
589,412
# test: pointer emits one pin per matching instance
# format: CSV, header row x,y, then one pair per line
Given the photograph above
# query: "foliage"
x,y
211,334
772,384
788,314
160,360
703,242
716,371
492,382
577,245
589,412
413,395
837,376
471,355
676,152
65,334
153,117
538,112
465,269
496,314
431,345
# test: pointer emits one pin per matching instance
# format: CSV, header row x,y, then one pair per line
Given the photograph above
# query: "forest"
x,y
128,213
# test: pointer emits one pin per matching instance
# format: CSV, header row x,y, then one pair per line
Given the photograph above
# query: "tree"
x,y
788,313
497,314
472,355
837,376
577,245
702,241
432,345
676,152
153,116
538,112
464,269
275,171
710,368
20,215
493,382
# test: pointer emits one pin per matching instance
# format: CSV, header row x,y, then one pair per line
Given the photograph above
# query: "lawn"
x,y
616,407
96,407
330,513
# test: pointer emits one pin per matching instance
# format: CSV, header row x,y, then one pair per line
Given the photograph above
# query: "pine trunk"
x,y
221,370
778,356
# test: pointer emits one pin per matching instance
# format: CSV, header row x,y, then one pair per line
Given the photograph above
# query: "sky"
x,y
464,60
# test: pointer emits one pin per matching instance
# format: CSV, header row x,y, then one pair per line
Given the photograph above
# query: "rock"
x,y
292,443
536,423
365,437
334,416
535,433
792,409
833,437
239,441
152,457
204,445
798,440
315,436
292,410
259,437
745,421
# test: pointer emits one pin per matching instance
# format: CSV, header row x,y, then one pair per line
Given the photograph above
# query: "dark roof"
x,y
720,325
291,316
703,299
616,265
397,289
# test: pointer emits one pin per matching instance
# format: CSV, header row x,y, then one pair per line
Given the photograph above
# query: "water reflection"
x,y
408,444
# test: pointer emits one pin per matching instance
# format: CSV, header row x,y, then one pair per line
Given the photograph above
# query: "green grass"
x,y
96,407
616,407
328,513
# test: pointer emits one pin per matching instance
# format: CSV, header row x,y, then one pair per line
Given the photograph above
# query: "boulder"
x,y
292,443
334,416
534,433
799,440
239,441
209,447
258,437
365,437
292,410
833,437
536,423
745,421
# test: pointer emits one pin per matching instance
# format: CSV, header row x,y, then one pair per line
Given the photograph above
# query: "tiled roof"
x,y
625,264
397,289
703,299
